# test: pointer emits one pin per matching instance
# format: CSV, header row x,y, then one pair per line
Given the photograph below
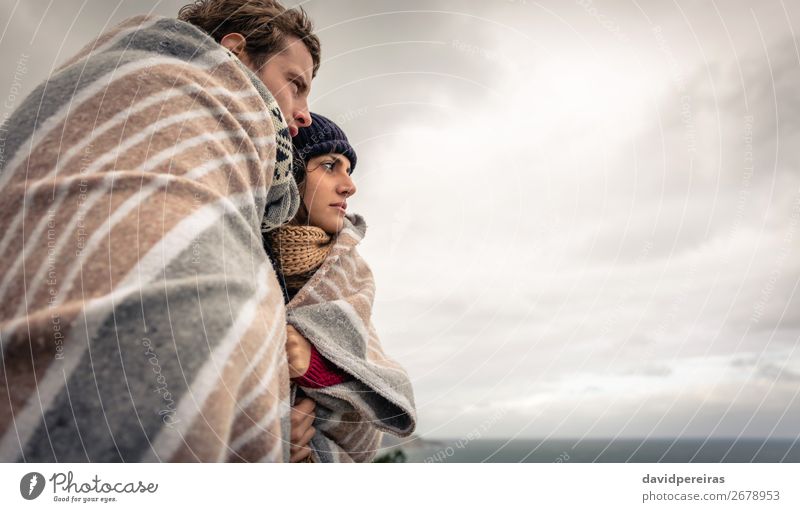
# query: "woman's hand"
x,y
302,417
298,352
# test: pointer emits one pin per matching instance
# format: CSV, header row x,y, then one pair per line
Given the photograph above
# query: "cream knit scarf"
x,y
300,251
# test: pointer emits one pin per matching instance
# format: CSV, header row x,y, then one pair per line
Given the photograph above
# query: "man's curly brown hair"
x,y
265,24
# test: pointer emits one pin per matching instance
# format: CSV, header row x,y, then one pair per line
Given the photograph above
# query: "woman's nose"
x,y
347,187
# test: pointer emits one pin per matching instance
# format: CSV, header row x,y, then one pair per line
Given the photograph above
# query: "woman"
x,y
334,353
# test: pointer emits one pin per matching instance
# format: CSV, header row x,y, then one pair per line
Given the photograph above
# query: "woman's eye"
x,y
328,165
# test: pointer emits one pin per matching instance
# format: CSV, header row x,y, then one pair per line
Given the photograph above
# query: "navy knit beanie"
x,y
321,138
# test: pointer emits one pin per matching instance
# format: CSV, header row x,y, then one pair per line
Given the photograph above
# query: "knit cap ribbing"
x,y
322,137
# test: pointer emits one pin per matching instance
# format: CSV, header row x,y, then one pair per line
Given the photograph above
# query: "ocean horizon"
x,y
595,450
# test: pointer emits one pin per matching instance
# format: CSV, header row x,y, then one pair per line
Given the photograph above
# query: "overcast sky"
x,y
584,217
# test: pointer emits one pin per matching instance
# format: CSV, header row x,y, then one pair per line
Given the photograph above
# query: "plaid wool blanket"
x,y
333,311
140,319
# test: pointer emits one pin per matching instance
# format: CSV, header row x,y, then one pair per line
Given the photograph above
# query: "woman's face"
x,y
327,187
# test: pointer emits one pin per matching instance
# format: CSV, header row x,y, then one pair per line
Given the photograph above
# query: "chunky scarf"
x,y
299,251
135,186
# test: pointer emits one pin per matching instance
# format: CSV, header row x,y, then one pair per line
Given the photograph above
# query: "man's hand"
x,y
302,417
298,352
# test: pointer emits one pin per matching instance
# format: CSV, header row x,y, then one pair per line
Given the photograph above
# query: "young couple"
x,y
176,222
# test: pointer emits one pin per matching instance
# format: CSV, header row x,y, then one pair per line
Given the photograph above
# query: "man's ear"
x,y
236,43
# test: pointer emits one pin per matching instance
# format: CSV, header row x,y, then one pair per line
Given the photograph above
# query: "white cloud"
x,y
603,251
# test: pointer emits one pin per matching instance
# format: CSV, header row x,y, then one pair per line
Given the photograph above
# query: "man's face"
x,y
287,75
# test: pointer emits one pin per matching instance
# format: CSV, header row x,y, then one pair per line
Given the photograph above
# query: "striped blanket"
x,y
140,319
333,311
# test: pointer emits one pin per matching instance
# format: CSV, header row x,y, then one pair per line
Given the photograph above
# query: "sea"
x,y
591,450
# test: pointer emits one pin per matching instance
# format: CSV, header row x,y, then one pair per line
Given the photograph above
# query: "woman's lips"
x,y
340,206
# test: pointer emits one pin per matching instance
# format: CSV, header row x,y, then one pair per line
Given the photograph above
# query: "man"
x,y
139,316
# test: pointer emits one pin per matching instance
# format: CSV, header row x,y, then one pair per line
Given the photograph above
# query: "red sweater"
x,y
321,372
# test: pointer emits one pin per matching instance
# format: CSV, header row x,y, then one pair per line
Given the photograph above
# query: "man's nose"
x,y
303,118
